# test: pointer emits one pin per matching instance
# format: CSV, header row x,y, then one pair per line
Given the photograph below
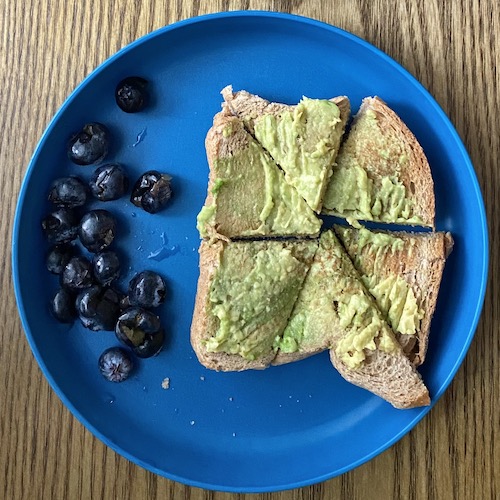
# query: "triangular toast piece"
x,y
403,273
247,193
335,311
246,292
303,139
382,173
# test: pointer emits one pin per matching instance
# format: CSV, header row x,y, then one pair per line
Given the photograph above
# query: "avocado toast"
x,y
303,139
381,173
247,194
263,300
335,311
246,292
403,272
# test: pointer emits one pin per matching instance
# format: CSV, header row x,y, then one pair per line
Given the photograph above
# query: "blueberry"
x,y
90,145
152,191
58,256
63,306
115,364
106,267
77,274
68,192
131,94
97,230
141,330
61,226
109,182
147,289
98,308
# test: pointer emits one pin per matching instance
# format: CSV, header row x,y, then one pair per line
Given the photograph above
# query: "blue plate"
x,y
284,427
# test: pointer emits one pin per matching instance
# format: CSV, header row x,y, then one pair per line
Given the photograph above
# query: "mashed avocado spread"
x,y
304,142
365,183
253,293
250,193
333,304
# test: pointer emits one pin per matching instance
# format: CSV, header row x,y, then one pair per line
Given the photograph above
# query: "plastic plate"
x,y
280,428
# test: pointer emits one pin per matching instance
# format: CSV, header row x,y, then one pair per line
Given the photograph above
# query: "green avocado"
x,y
394,296
303,140
253,293
365,183
250,197
334,305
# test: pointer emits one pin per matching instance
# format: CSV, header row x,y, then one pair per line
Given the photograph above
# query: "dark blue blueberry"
x,y
61,226
77,275
106,267
90,145
137,328
58,256
115,364
131,94
109,182
63,306
152,191
147,289
98,308
68,192
97,230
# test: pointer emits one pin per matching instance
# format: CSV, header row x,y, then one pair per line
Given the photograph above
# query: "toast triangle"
x,y
247,193
334,311
403,273
381,173
246,292
303,139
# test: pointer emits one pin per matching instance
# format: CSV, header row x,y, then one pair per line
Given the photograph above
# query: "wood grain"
x,y
48,46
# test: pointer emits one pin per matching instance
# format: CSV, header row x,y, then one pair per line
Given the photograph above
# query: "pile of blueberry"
x,y
87,275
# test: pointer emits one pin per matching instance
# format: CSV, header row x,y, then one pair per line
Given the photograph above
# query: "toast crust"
x,y
202,325
420,262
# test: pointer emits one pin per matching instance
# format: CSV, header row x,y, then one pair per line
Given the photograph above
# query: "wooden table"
x,y
49,46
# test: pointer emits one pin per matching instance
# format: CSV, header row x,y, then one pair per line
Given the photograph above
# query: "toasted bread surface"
x,y
303,139
247,193
381,171
334,311
234,325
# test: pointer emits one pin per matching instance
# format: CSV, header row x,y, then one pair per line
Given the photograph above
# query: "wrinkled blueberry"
x,y
147,289
77,274
109,182
90,145
131,94
106,267
97,230
61,226
58,256
63,306
98,308
152,191
115,364
68,192
137,328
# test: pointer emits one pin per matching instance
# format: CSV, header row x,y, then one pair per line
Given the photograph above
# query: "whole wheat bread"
x,y
417,258
205,323
243,181
253,110
317,323
384,150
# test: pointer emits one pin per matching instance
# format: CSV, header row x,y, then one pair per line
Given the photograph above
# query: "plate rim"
x,y
278,17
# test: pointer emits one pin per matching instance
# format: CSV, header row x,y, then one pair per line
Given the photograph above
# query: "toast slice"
x,y
403,273
246,292
303,139
382,173
335,311
247,193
